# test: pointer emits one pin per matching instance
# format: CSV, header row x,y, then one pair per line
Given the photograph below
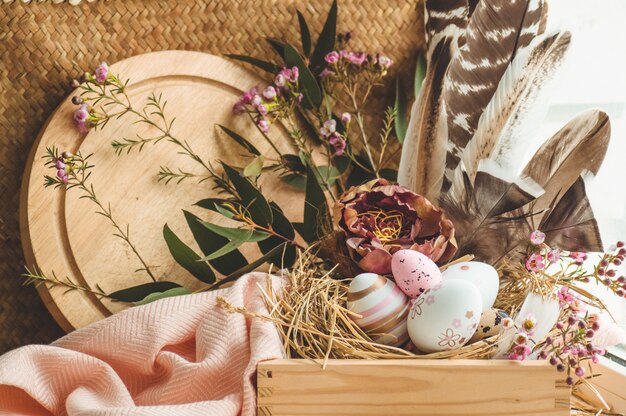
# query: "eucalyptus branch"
x,y
73,171
37,278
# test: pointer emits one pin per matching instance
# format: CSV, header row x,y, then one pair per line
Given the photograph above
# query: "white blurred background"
x,y
594,76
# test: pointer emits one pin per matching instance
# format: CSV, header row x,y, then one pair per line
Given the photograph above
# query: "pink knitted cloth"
x,y
178,356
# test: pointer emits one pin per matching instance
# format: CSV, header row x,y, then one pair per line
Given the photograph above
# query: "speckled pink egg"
x,y
414,272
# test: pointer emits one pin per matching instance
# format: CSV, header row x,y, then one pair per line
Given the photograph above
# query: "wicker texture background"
x,y
44,45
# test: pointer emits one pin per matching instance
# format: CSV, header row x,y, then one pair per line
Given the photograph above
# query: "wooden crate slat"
x,y
403,387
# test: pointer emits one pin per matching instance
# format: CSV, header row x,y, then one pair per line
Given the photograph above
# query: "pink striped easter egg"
x,y
379,308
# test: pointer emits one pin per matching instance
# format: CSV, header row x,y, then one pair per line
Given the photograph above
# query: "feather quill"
x,y
496,30
424,148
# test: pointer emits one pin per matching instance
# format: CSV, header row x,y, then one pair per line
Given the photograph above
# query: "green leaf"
x,y
187,258
326,41
240,141
233,234
315,208
420,73
254,168
283,227
278,46
293,163
266,66
177,291
329,174
217,205
224,250
209,242
295,180
401,122
358,176
305,35
251,266
252,198
308,84
137,293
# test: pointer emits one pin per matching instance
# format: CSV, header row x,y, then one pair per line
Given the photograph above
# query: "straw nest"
x,y
312,319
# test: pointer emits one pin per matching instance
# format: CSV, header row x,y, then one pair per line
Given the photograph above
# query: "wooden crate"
x,y
411,387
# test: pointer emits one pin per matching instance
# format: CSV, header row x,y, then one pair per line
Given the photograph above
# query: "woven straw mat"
x,y
43,45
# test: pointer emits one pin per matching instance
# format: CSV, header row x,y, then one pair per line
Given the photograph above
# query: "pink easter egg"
x,y
414,272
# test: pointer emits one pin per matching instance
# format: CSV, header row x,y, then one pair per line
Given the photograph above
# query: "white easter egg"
x,y
445,317
482,275
380,308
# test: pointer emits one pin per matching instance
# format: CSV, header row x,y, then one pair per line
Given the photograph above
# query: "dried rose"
x,y
379,218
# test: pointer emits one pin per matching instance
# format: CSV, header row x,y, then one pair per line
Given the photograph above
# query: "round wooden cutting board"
x,y
61,233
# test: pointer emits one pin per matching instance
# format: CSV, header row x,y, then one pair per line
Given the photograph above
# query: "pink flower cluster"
x,y
540,253
82,116
520,349
63,166
102,73
572,345
335,140
357,60
272,100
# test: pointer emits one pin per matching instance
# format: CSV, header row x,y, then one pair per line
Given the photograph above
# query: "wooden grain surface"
x,y
411,387
62,233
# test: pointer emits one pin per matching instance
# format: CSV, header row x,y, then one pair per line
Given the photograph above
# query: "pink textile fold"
x,y
177,356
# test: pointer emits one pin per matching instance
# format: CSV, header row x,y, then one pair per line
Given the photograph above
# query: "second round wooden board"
x,y
62,233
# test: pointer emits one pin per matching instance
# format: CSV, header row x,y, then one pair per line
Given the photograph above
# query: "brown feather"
x,y
423,152
496,30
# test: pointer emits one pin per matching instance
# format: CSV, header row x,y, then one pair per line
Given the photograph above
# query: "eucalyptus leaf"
x,y
420,73
329,174
177,291
401,122
252,198
254,168
244,234
316,217
217,205
326,40
187,258
293,163
240,141
278,46
295,180
209,242
139,292
308,84
266,66
305,35
224,250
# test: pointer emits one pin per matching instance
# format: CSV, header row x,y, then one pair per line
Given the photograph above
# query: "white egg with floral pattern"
x,y
445,317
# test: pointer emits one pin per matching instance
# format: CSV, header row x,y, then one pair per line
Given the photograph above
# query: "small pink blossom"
x,y
529,323
328,128
102,72
346,117
239,107
384,61
535,262
262,109
300,97
537,237
578,256
82,113
507,323
326,73
343,53
280,80
332,57
338,143
256,100
295,74
356,58
520,338
564,295
554,256
269,93
263,125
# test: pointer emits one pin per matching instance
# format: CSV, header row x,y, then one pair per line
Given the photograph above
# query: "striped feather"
x,y
497,29
424,149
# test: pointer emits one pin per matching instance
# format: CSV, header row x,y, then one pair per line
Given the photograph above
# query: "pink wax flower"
x,y
256,100
295,74
564,295
300,97
82,113
346,117
356,58
343,53
269,93
239,107
528,324
326,73
102,72
332,57
384,61
535,262
537,237
262,109
263,125
338,143
578,256
280,80
554,256
328,128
